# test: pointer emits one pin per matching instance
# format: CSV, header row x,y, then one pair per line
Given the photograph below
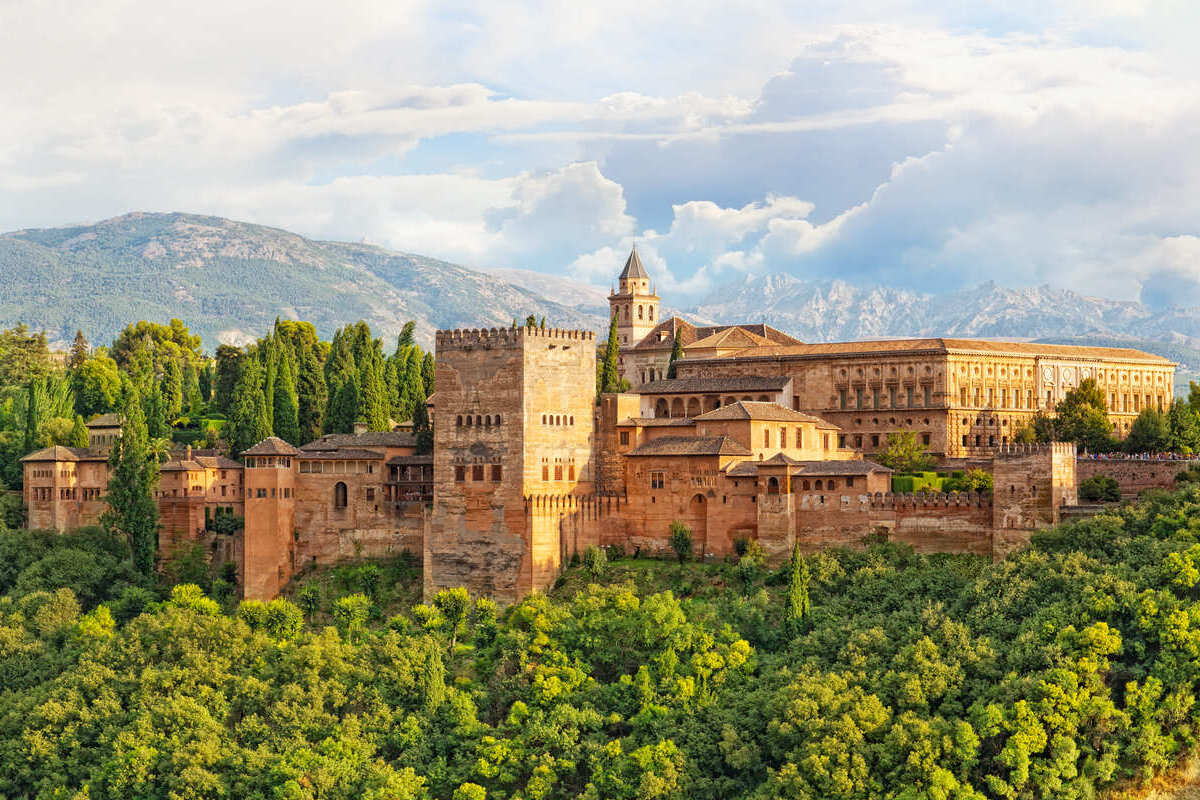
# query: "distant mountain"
x,y
229,280
835,310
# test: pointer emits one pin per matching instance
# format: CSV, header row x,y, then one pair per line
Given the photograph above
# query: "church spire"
x,y
633,267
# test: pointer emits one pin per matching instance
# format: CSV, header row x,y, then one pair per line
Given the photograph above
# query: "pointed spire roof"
x,y
633,266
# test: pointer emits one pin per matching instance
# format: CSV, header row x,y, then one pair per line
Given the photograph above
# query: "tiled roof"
x,y
633,266
272,446
806,469
369,439
410,460
735,383
181,465
342,453
944,345
656,422
747,409
691,446
662,336
105,421
217,462
732,337
855,467
60,453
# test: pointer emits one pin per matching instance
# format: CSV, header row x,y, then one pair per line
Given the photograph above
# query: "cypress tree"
x,y
531,321
132,511
339,367
310,394
269,356
433,680
155,415
676,354
374,407
204,381
172,390
422,430
79,351
394,381
32,418
191,389
286,403
343,407
610,374
407,337
79,433
248,412
798,604
428,371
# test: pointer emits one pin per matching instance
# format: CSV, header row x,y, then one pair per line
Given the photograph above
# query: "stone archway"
x,y
693,407
697,520
660,408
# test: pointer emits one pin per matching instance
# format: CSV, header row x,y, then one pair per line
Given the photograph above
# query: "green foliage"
x,y
905,453
1150,432
133,478
1081,418
799,604
681,541
676,354
595,559
1099,488
97,385
248,408
975,480
286,417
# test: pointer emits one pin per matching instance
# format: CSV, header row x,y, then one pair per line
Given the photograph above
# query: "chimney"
x,y
188,457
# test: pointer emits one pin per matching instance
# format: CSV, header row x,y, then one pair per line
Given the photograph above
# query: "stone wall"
x,y
930,523
1134,476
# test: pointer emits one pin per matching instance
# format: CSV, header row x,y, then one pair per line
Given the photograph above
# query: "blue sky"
x,y
928,145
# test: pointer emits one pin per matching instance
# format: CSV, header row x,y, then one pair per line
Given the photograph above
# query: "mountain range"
x,y
228,281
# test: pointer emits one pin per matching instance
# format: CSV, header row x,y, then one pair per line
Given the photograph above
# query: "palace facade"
x,y
757,437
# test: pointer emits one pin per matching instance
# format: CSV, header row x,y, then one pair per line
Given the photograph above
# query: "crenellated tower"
x,y
634,303
513,418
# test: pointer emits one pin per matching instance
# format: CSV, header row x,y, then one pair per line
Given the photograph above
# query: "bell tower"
x,y
634,303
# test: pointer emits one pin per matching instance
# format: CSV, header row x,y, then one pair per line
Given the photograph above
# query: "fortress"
x,y
758,436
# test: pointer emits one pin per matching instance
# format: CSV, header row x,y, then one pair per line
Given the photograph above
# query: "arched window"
x,y
805,486
819,484
572,421
651,313
478,420
661,409
693,407
487,420
468,420
339,495
640,316
772,485
627,313
497,419
677,407
458,421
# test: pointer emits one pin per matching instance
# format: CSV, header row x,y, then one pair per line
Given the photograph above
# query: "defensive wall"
x,y
1134,475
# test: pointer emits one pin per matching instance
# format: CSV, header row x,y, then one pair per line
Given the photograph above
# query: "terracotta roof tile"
x,y
745,409
733,383
943,345
60,453
105,421
369,439
342,453
272,446
691,446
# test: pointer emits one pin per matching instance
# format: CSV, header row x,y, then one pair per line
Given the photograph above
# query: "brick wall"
x,y
1133,476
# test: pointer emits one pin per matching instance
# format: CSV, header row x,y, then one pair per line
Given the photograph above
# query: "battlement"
x,y
471,338
592,506
1018,450
898,501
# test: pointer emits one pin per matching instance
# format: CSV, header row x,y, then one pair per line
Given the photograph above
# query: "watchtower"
x,y
513,418
634,303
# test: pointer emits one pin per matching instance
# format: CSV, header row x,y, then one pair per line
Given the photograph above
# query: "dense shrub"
x,y
1099,488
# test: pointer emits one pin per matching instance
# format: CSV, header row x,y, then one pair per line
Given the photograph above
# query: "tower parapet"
x,y
469,338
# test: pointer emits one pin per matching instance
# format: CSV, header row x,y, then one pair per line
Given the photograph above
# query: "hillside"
x,y
229,280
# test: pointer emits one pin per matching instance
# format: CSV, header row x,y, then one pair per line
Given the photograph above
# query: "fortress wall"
x,y
1134,476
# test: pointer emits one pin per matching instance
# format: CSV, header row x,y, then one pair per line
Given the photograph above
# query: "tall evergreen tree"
x,y
172,390
32,417
248,414
191,388
155,414
268,354
339,368
132,510
610,373
798,603
343,407
287,407
422,430
676,354
310,394
428,372
226,370
407,337
374,408
79,351
79,433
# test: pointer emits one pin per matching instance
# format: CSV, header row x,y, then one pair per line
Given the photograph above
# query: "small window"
x,y
850,482
370,494
477,472
497,472
545,472
657,480
460,474
570,472
558,472
624,436
339,495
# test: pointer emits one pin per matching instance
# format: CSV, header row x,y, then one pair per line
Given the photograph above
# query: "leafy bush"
x,y
595,559
681,541
1099,488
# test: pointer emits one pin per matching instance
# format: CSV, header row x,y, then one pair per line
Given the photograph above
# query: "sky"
x,y
926,145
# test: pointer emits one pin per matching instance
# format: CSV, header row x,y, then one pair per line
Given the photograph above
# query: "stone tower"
x,y
1030,485
634,304
269,554
512,421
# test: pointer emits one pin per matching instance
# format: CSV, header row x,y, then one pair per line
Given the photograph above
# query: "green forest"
x,y
1061,671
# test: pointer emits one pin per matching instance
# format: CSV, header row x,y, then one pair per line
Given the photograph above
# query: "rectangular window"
x,y
874,440
928,396
766,437
657,480
624,437
858,398
477,472
850,482
908,397
545,472
370,494
799,438
925,439
261,493
570,472
877,398
841,398
460,474
497,472
962,396
558,472
989,396
782,438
